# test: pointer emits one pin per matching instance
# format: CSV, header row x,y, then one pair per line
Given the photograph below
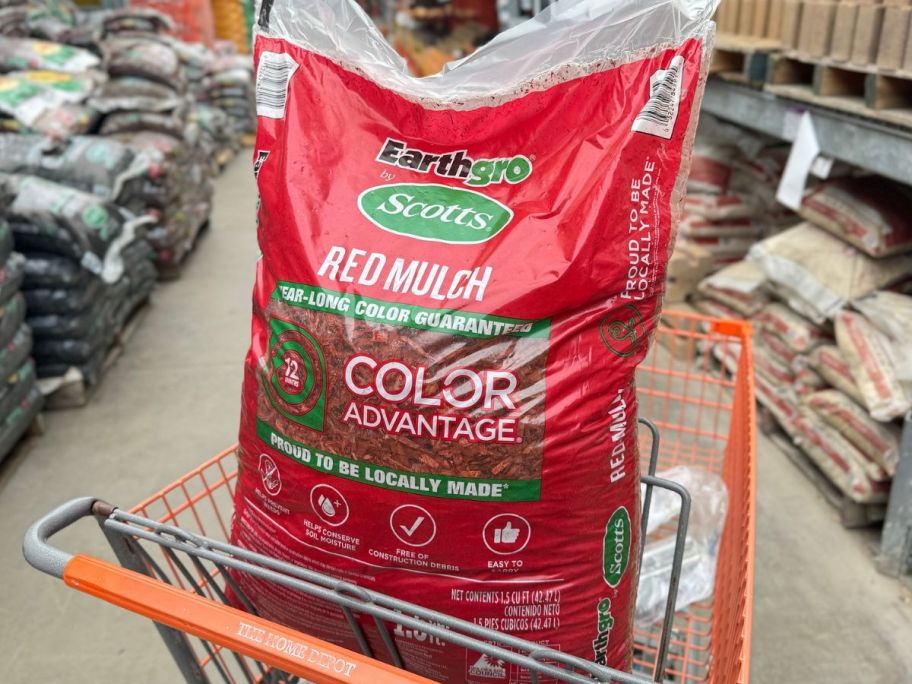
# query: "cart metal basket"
x,y
175,562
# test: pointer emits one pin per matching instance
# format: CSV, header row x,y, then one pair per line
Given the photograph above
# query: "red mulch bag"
x,y
459,277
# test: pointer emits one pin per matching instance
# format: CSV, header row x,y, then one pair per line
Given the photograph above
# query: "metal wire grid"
x,y
198,502
706,415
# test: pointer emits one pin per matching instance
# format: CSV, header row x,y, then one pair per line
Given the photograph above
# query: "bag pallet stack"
x,y
832,326
20,399
106,111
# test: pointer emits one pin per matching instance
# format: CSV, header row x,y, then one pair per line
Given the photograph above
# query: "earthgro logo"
x,y
436,213
457,165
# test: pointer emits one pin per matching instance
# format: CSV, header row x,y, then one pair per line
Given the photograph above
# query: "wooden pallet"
x,y
73,390
743,59
852,514
883,95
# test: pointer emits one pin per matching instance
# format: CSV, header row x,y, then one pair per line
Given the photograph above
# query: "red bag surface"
x,y
456,286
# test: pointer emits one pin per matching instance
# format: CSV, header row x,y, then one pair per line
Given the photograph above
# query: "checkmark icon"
x,y
409,531
413,525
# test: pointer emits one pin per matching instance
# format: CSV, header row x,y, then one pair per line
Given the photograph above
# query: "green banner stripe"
x,y
448,321
425,484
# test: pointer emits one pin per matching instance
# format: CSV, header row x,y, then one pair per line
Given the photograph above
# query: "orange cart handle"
x,y
291,651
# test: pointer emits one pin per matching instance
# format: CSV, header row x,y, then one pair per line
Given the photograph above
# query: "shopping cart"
x,y
175,562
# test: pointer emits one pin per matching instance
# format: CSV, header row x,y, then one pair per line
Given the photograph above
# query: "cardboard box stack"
x,y
764,19
860,32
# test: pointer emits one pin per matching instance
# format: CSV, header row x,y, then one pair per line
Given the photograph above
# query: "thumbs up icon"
x,y
506,534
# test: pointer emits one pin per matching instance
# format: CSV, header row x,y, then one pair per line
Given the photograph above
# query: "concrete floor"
x,y
821,612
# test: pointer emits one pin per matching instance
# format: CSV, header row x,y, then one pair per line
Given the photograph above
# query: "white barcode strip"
x,y
660,113
273,74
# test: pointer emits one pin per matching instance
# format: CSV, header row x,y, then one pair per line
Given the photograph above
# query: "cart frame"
x,y
277,654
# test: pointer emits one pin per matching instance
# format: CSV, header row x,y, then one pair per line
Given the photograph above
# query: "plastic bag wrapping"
x,y
709,505
176,188
568,35
133,20
100,324
144,58
42,300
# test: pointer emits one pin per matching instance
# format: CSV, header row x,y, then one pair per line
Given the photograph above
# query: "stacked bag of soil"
x,y
20,398
45,87
833,328
731,192
87,263
220,134
147,105
229,86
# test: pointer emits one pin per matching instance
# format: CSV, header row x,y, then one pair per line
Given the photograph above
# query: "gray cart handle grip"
x,y
35,547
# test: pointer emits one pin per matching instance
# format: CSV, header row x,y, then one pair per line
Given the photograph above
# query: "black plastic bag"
x,y
132,93
91,163
173,124
52,271
14,353
51,218
63,300
74,351
91,369
12,315
6,238
14,424
11,275
144,58
15,386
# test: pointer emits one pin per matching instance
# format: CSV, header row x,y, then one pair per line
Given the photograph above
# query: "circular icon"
x,y
413,525
623,331
294,376
506,534
269,472
329,504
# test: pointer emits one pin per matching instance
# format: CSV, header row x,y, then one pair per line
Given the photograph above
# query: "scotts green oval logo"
x,y
616,550
433,212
